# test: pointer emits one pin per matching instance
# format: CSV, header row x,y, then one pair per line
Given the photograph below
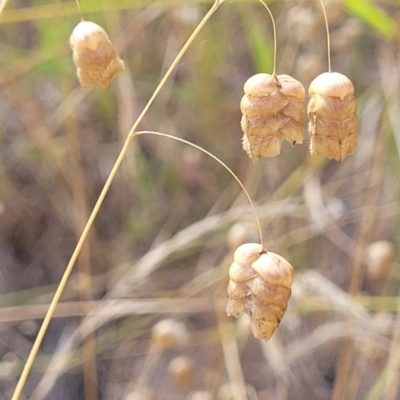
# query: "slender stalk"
x,y
221,163
79,8
328,36
42,331
80,200
275,41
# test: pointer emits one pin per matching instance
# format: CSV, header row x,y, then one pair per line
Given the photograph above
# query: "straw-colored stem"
x,y
89,366
79,8
328,37
93,215
221,163
275,41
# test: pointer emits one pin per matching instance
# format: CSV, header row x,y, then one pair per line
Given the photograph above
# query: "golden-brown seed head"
x,y
273,111
94,55
260,285
332,110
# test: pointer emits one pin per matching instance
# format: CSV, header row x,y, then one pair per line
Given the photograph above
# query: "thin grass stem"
x,y
275,41
221,163
42,331
328,36
79,8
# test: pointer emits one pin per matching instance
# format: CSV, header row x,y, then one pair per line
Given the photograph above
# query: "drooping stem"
x,y
328,37
79,8
275,41
178,139
42,331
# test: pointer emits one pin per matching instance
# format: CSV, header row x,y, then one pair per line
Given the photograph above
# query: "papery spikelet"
x,y
260,285
168,333
273,111
333,116
379,259
94,55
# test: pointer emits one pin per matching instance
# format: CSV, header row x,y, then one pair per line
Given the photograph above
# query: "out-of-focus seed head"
x,y
379,258
260,285
168,333
94,55
332,110
273,111
29,327
181,371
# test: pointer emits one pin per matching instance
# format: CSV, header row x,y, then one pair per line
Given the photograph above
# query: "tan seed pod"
x,y
379,258
94,55
332,110
181,370
273,111
262,294
168,333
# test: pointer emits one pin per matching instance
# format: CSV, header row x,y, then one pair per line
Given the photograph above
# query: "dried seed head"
x,y
333,116
181,371
168,333
260,285
379,257
94,55
273,111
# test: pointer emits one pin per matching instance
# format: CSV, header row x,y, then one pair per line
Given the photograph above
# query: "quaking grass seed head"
x,y
273,111
379,260
181,370
260,286
168,333
94,55
332,110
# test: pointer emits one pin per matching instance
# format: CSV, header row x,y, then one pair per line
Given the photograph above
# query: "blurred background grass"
x,y
165,236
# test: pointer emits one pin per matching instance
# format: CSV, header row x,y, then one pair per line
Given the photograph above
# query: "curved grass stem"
x,y
274,29
328,37
42,331
165,135
79,8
